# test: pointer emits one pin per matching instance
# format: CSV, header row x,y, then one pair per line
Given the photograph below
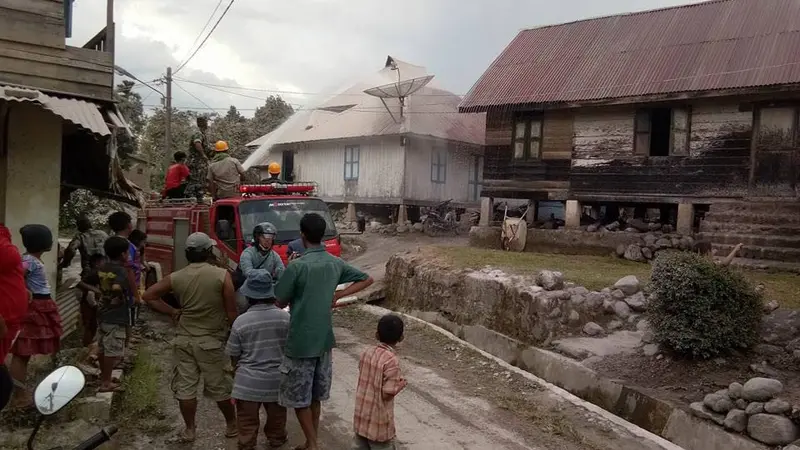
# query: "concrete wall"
x,y
33,175
418,184
380,174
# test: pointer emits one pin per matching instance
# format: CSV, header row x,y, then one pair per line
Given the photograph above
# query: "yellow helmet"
x,y
274,168
221,146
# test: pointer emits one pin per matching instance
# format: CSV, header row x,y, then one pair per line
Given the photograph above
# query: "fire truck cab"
x,y
230,222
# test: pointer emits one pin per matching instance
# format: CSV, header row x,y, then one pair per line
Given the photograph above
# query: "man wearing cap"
x,y
225,174
208,306
256,350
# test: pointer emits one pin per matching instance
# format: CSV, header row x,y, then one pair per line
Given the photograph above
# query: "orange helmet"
x,y
274,168
221,146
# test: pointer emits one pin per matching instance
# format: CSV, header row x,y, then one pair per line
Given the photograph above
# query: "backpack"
x,y
92,242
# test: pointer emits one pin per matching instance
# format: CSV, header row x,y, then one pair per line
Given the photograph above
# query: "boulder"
x,y
777,406
655,226
617,294
615,325
637,302
639,225
651,350
698,409
613,226
741,404
621,250
642,325
771,305
592,228
622,310
574,317
579,290
736,420
735,390
552,281
717,402
650,240
628,285
402,229
593,329
418,227
648,337
594,299
634,253
781,326
663,243
754,408
667,228
647,253
771,429
761,389
577,300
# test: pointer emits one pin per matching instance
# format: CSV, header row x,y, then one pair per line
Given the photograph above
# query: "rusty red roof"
x,y
717,44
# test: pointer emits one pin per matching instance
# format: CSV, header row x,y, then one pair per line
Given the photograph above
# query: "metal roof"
x,y
350,114
717,44
84,114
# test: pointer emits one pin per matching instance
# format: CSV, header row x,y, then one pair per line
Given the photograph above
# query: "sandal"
x,y
181,438
231,434
115,387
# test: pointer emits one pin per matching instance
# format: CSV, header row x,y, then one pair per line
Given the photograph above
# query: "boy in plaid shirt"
x,y
379,381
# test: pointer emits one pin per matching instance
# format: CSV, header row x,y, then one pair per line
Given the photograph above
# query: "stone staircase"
x,y
768,228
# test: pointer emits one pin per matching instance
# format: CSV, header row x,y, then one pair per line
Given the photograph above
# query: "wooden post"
x,y
168,125
110,31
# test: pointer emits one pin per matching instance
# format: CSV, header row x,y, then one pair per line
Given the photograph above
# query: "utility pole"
x,y
168,125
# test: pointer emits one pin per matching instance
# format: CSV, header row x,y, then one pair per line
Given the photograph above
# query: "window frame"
x,y
352,160
473,178
528,137
438,165
648,113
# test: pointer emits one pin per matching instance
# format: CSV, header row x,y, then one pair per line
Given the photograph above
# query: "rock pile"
x,y
754,408
651,243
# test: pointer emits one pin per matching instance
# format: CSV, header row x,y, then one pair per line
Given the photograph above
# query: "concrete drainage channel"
x,y
660,420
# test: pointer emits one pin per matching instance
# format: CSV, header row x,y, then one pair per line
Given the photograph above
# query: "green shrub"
x,y
699,309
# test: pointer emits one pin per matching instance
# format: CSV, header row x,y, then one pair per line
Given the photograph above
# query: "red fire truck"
x,y
230,222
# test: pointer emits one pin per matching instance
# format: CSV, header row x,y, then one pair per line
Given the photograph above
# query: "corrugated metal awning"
x,y
84,114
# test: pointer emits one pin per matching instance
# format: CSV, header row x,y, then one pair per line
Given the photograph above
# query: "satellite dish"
x,y
399,90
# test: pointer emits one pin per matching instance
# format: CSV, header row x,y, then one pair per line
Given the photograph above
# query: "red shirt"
x,y
379,380
13,293
176,174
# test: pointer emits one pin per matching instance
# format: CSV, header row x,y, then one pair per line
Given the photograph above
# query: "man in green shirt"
x,y
308,287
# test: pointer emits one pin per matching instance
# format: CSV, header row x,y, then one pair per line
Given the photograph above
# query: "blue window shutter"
x,y
68,18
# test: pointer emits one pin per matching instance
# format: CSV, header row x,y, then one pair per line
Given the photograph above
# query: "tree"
x,y
268,117
233,128
152,146
131,108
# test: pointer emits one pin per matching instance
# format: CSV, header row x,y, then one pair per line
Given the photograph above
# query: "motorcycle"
x,y
441,218
55,392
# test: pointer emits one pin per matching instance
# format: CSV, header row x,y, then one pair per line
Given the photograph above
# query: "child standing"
x,y
90,294
117,285
256,346
379,381
41,328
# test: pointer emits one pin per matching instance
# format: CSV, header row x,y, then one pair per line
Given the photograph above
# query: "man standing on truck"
x,y
225,174
198,161
208,308
308,286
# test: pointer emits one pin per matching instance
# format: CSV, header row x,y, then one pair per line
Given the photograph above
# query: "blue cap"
x,y
258,285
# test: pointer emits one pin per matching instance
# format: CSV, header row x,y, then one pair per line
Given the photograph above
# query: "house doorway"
x,y
287,165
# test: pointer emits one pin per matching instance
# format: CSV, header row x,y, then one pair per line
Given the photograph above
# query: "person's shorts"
x,y
196,357
305,380
111,340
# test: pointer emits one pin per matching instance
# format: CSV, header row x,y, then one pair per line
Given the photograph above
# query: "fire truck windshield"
x,y
285,214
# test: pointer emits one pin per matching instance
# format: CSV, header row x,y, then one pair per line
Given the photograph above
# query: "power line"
x,y
219,3
125,73
206,38
276,91
372,111
233,93
194,96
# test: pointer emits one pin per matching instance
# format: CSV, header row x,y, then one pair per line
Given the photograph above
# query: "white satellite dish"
x,y
399,90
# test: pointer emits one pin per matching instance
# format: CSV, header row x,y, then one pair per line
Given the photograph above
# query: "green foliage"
x,y
153,141
84,202
130,105
700,309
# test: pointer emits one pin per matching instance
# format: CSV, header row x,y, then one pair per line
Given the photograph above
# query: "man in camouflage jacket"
x,y
198,161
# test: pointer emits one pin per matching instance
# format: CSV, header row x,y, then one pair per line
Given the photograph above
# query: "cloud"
x,y
314,45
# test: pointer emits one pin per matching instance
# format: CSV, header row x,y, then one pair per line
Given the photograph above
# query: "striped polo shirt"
x,y
257,339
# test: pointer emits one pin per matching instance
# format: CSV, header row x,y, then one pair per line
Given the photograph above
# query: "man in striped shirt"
x,y
256,347
379,381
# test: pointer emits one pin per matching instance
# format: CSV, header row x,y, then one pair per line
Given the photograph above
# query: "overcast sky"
x,y
312,46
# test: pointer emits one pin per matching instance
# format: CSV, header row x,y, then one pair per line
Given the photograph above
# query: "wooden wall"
x,y
33,52
777,158
507,177
604,163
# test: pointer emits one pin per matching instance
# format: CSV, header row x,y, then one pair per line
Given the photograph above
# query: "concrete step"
x,y
761,264
791,255
753,218
714,226
756,206
752,240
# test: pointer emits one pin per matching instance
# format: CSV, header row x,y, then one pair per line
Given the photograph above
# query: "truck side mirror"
x,y
224,229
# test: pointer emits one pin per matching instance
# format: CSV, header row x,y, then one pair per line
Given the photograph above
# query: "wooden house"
x,y
692,110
